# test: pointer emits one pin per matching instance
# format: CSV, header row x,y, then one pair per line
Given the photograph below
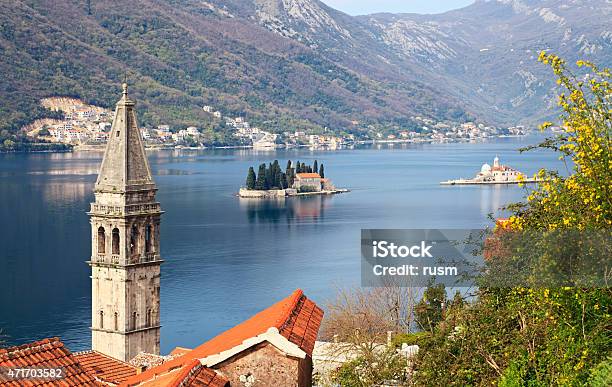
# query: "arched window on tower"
x,y
116,241
134,240
116,321
149,317
148,239
101,319
101,240
134,320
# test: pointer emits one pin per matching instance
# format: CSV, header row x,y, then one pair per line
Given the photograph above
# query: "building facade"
x,y
125,261
272,348
498,173
307,182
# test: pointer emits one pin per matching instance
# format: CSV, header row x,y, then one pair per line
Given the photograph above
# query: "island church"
x,y
273,347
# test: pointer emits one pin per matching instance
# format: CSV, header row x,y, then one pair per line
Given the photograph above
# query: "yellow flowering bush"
x,y
582,200
543,336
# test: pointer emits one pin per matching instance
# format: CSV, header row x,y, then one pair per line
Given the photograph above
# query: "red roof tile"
x,y
104,367
47,353
296,317
307,175
180,351
196,374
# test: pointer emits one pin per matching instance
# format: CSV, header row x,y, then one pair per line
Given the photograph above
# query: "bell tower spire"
x,y
125,165
125,261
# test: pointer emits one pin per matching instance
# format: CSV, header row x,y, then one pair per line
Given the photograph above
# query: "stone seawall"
x,y
246,193
275,193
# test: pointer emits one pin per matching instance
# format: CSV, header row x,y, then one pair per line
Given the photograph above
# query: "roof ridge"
x,y
184,372
289,308
84,352
104,355
33,345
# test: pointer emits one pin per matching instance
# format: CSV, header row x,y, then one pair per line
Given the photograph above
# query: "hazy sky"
x,y
361,7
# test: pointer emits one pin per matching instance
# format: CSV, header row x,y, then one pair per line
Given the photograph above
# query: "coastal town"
x,y
84,125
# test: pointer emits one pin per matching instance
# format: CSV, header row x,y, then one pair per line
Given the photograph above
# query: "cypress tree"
x,y
288,168
250,181
284,182
276,171
269,177
298,167
315,167
290,177
260,183
321,171
279,179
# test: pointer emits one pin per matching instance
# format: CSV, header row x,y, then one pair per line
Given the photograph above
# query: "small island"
x,y
498,174
297,179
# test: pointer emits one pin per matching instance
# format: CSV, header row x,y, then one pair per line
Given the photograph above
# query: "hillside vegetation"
x,y
292,64
180,56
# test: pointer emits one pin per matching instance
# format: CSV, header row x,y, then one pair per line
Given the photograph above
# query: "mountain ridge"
x,y
294,63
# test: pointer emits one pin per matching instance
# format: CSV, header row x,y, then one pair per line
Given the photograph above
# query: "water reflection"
x,y
289,210
218,247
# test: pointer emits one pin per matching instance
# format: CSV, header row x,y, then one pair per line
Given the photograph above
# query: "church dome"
x,y
486,168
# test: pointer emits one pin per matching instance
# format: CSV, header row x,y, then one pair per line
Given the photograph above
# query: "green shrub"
x,y
417,338
601,375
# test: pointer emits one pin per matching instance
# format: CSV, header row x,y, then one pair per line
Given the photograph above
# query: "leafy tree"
x,y
429,311
360,319
250,181
44,131
601,375
383,366
260,183
9,144
521,336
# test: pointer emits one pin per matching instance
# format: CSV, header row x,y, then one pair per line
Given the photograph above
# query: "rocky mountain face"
x,y
295,63
484,54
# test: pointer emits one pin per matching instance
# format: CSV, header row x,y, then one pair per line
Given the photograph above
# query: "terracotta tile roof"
x,y
47,353
196,374
305,175
302,325
104,367
179,351
296,317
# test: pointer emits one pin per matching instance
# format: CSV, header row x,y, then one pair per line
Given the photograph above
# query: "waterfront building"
x,y
307,182
497,173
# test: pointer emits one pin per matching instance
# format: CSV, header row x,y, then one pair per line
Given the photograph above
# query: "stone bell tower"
x,y
125,261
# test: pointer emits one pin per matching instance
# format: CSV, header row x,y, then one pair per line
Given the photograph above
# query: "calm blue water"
x,y
227,258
